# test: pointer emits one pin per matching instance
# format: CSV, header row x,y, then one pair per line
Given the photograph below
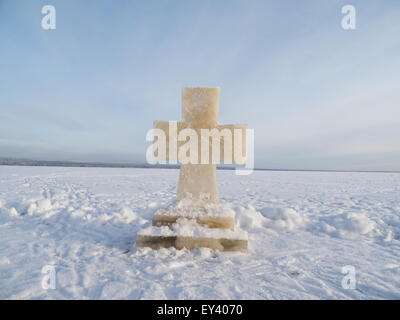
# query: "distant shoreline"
x,y
75,164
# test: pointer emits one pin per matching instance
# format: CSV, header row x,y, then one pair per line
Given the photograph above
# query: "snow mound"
x,y
249,218
273,218
283,218
343,225
13,212
126,215
153,205
349,224
44,205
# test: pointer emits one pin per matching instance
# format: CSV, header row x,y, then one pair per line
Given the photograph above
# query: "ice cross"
x,y
200,111
199,222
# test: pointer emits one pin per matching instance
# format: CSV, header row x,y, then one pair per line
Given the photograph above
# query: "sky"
x,y
316,95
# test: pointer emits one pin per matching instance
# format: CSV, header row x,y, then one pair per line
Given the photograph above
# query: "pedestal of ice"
x,y
197,220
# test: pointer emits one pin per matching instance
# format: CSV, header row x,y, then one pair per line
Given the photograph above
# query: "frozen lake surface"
x,y
304,227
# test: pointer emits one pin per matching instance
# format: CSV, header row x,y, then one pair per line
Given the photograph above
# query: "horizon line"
x,y
9,161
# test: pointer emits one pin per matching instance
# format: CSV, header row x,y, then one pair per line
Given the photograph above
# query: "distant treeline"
x,y
57,163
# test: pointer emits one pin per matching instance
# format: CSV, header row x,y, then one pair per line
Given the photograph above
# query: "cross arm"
x,y
229,140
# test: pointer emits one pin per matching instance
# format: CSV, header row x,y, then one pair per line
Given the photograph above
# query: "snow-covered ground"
x,y
303,228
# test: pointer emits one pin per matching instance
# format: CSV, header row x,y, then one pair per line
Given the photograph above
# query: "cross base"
x,y
181,242
190,227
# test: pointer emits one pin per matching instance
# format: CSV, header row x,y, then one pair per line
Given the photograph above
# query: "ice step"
x,y
160,220
211,217
180,242
186,233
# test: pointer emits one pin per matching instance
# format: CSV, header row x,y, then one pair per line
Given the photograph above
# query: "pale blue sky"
x,y
318,96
